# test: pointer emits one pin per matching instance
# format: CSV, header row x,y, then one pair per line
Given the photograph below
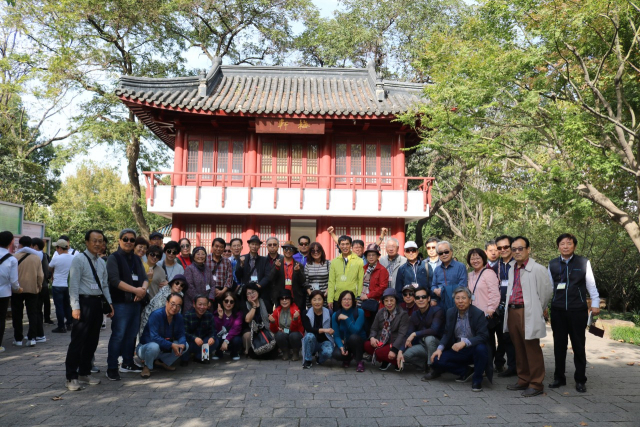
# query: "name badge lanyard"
x,y
344,270
414,267
215,270
286,270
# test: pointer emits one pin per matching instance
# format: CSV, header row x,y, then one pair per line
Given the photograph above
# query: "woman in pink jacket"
x,y
483,283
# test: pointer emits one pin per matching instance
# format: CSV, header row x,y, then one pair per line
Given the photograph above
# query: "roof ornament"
x,y
202,87
380,93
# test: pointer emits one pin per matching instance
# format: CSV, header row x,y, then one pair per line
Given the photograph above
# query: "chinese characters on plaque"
x,y
291,126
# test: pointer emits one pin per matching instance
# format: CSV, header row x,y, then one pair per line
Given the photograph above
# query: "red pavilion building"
x,y
284,151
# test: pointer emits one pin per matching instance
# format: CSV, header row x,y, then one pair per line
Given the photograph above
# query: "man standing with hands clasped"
x,y
528,294
88,282
572,278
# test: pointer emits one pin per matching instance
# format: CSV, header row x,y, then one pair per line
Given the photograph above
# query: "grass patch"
x,y
630,316
626,334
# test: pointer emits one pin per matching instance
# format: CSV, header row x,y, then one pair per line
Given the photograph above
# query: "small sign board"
x,y
291,126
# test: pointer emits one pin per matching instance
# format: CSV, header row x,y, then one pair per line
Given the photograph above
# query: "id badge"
x,y
343,278
414,284
287,282
504,283
94,286
473,297
562,285
254,278
205,351
134,277
215,278
208,288
286,330
316,286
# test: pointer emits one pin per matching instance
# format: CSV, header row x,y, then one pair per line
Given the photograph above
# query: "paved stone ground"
x,y
276,393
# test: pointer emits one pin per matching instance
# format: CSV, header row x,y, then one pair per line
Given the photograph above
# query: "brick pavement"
x,y
276,393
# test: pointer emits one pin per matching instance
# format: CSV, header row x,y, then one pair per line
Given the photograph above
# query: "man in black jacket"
x,y
252,268
464,343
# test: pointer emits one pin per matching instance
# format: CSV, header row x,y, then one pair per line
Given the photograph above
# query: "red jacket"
x,y
296,324
378,283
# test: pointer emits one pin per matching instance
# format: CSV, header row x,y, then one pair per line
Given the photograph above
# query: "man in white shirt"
x,y
71,251
59,266
8,279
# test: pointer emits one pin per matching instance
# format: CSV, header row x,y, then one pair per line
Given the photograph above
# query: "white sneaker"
x,y
18,343
74,385
31,343
236,358
88,380
2,349
41,339
104,325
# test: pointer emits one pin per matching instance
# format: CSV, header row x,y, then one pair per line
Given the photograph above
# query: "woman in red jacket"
x,y
286,324
376,280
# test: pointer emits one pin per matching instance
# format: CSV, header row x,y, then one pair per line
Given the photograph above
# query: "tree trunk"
x,y
133,153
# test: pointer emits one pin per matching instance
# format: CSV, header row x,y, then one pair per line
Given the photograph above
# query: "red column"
x,y
252,156
250,229
177,158
398,169
398,233
324,169
323,237
176,230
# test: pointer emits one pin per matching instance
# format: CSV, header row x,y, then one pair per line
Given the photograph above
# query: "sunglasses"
x,y
155,255
503,248
444,253
272,245
285,298
520,249
287,249
229,301
185,246
303,244
408,294
181,284
227,251
418,297
316,251
172,252
128,240
410,251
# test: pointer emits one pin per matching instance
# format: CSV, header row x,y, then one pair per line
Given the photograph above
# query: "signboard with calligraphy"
x,y
291,126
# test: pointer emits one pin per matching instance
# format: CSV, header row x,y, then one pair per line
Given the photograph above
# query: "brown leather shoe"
x,y
530,392
517,386
164,365
146,373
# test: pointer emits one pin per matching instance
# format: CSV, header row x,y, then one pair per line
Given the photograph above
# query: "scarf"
x,y
285,319
367,278
385,334
263,314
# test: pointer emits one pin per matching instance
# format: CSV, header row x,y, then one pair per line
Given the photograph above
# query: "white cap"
x,y
410,244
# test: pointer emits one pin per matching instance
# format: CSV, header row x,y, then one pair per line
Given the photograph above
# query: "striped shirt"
x,y
317,276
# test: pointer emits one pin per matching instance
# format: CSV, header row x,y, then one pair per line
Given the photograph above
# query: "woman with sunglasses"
x,y
155,273
185,258
228,321
316,272
178,285
198,275
286,324
169,264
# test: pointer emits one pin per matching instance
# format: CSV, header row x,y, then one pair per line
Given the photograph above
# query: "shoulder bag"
x,y
106,307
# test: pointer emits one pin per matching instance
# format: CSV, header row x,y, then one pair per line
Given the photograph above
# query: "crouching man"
x,y
163,340
464,343
199,329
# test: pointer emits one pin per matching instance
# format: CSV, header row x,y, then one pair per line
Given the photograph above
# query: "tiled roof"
x,y
276,90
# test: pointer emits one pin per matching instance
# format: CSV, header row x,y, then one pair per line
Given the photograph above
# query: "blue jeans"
x,y
457,362
310,345
124,329
63,305
151,351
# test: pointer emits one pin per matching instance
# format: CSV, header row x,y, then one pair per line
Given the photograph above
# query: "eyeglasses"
x,y
411,250
519,249
503,248
97,241
431,247
227,251
128,239
272,245
229,301
155,255
174,305
252,292
303,244
185,246
444,253
419,297
172,252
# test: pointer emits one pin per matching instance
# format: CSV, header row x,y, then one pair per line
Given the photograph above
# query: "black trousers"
x,y
44,304
4,305
505,347
571,324
290,341
354,345
18,303
85,334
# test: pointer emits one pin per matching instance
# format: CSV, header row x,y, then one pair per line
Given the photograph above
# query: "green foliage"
x,y
626,334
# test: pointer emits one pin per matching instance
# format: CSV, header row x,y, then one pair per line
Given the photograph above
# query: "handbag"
x,y
370,305
106,307
262,340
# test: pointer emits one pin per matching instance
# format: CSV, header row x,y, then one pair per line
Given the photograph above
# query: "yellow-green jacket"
x,y
345,277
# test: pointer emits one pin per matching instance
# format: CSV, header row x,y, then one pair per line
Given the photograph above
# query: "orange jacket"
x,y
296,324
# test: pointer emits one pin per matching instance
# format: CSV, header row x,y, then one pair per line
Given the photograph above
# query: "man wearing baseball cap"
x,y
59,267
414,272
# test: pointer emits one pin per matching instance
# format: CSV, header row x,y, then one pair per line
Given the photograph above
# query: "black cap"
x,y
285,293
156,235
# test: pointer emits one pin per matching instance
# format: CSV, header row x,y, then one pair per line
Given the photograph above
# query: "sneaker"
x,y
18,343
49,322
307,364
74,385
95,370
59,330
215,357
146,373
31,343
476,387
2,349
88,379
104,326
235,357
41,339
384,366
465,377
113,374
360,367
130,368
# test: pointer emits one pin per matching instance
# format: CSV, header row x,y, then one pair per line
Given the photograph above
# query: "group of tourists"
x,y
172,302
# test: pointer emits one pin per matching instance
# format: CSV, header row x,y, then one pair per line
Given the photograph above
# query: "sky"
x,y
103,155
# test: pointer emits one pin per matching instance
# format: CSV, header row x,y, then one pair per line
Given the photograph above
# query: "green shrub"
x,y
626,334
